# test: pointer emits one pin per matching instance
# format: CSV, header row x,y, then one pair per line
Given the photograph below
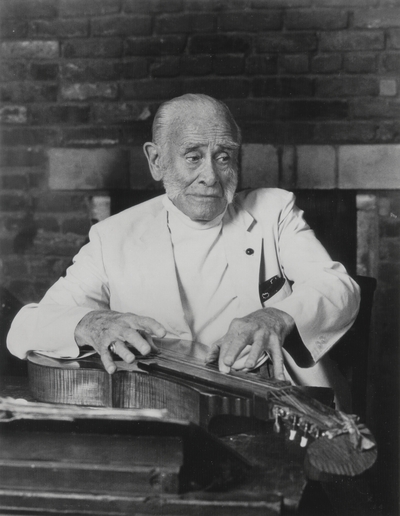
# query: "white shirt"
x,y
208,298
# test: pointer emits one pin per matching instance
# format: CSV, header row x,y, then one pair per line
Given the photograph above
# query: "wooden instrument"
x,y
177,379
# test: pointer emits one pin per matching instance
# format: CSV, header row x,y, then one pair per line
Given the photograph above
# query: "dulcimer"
x,y
176,378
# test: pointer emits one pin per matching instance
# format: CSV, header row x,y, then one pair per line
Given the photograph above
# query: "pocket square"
x,y
269,288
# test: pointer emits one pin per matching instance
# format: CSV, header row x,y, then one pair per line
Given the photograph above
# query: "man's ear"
x,y
152,153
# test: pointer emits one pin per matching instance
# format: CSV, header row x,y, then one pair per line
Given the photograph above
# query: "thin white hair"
x,y
167,111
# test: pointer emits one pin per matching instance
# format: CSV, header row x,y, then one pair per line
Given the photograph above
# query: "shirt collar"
x,y
194,224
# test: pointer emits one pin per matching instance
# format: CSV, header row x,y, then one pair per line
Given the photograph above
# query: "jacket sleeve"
x,y
49,326
325,300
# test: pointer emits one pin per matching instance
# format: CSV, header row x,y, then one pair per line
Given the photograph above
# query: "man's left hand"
x,y
263,330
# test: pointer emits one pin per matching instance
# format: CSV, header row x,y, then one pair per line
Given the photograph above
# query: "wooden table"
x,y
242,468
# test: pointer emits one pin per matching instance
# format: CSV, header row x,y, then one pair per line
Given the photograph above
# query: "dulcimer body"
x,y
177,379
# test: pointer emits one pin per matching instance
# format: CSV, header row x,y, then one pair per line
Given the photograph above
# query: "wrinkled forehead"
x,y
203,125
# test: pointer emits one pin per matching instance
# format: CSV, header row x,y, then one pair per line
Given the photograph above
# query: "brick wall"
x,y
81,80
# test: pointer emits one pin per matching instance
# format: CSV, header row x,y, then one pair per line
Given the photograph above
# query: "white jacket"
x,y
128,266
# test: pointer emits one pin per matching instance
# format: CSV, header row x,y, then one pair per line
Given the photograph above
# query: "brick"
x,y
121,112
218,88
318,19
29,50
165,67
376,18
13,114
117,26
262,65
352,40
387,87
85,91
259,166
59,28
250,21
388,132
59,114
140,177
345,132
47,224
13,202
316,110
77,225
288,168
326,63
185,23
28,9
215,5
76,8
28,92
219,44
228,65
316,166
29,136
93,47
152,6
376,108
17,266
394,39
156,45
287,42
360,63
75,169
13,29
369,166
347,87
90,136
91,70
61,202
135,133
135,68
14,182
296,63
196,65
254,109
285,87
391,63
13,71
11,157
259,4
43,71
347,3
151,89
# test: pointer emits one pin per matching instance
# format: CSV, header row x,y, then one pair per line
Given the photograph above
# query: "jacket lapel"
x,y
241,233
157,255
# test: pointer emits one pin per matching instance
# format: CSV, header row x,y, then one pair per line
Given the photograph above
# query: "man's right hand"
x,y
101,328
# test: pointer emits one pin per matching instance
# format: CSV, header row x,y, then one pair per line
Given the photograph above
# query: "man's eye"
x,y
223,158
192,158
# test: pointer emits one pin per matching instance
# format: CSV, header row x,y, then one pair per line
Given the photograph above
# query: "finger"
x,y
256,351
275,350
135,339
150,326
212,355
108,362
149,340
122,351
232,347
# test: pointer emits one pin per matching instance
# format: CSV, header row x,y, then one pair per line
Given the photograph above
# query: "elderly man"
x,y
238,273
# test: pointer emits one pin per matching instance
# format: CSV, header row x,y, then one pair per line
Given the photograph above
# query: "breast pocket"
x,y
273,290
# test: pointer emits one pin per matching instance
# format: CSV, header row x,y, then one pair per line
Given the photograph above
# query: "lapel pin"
x,y
249,251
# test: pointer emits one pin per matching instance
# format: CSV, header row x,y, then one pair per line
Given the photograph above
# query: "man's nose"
x,y
208,175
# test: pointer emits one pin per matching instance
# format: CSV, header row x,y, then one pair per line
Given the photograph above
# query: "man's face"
x,y
200,163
